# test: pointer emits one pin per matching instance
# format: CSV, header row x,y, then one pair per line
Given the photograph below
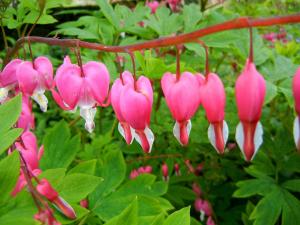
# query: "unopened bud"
x,y
165,171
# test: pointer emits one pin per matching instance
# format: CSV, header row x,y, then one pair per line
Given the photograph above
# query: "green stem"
x,y
112,130
4,36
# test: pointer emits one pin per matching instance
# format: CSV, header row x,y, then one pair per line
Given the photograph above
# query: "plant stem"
x,y
239,23
148,157
4,36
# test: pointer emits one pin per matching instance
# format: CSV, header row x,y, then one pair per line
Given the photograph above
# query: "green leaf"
x,y
251,187
77,186
60,148
293,185
109,13
271,92
191,16
87,167
54,176
129,216
8,138
19,215
290,209
9,173
268,209
180,217
112,169
10,112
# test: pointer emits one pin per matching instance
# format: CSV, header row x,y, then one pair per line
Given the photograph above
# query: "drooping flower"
x,y
83,87
8,78
250,90
177,169
30,153
45,189
34,78
296,93
46,217
213,100
115,95
141,170
136,106
153,6
165,172
174,5
204,207
210,221
183,99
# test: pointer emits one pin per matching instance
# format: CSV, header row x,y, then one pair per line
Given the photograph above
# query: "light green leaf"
x,y
290,209
129,216
60,148
10,112
77,186
109,13
9,173
112,169
180,217
7,138
271,92
87,167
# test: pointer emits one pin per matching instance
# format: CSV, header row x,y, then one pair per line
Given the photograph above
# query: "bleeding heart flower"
x,y
30,153
34,78
165,172
83,88
45,189
8,78
296,93
204,207
250,90
153,6
136,106
115,95
213,100
183,99
210,221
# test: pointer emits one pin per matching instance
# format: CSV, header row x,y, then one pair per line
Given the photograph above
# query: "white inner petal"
x,y
239,137
4,93
40,98
176,130
296,130
149,135
88,114
122,132
258,138
212,137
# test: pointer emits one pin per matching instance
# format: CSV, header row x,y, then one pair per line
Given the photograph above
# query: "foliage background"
x,y
97,166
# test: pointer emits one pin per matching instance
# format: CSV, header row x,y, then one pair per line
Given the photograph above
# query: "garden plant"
x,y
163,112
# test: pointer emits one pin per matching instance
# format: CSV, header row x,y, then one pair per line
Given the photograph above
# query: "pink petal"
x,y
45,72
8,75
97,77
27,77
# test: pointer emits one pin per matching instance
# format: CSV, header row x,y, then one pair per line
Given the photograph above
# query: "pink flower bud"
x,y
84,203
165,171
45,189
210,221
46,217
197,189
203,206
177,169
134,173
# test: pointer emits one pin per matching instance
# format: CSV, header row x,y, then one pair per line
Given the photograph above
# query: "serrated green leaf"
x,y
8,138
10,112
9,173
129,216
77,186
293,185
290,209
251,187
87,167
60,148
109,13
180,217
268,209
